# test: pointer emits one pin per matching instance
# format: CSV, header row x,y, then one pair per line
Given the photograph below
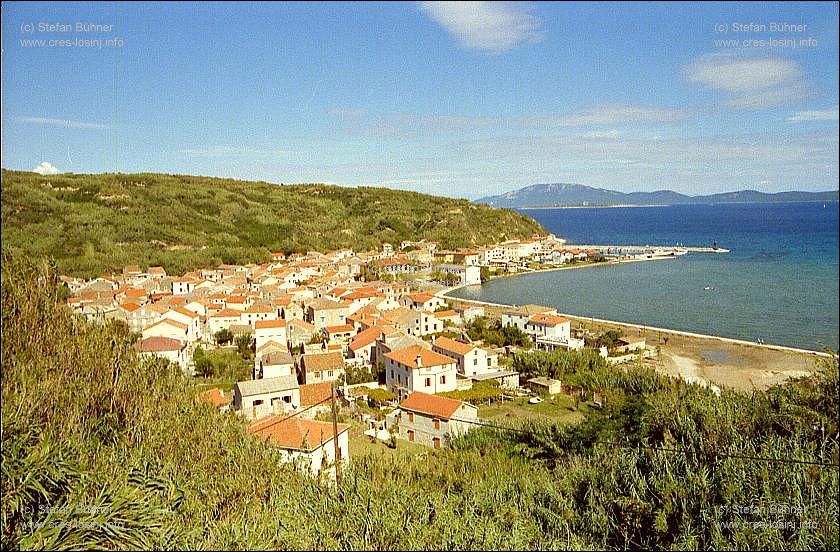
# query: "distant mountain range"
x,y
548,195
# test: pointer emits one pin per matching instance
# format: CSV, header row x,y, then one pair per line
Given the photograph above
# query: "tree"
x,y
380,397
609,338
243,345
203,365
223,336
485,274
354,374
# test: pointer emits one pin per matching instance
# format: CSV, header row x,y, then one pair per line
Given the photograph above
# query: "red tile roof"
x,y
432,405
365,338
421,297
314,393
186,312
295,433
227,313
341,328
264,324
213,397
158,344
130,307
408,357
454,346
318,362
548,319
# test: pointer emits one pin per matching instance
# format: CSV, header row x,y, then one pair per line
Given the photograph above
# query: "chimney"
x,y
419,360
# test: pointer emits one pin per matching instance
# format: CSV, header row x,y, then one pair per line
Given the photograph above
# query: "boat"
x,y
680,251
708,288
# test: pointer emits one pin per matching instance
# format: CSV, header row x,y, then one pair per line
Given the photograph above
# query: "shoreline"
x,y
619,205
444,294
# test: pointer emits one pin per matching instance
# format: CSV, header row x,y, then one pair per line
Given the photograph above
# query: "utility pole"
x,y
337,449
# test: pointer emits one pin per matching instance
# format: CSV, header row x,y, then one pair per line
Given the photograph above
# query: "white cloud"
x,y
45,168
59,122
490,26
609,114
827,115
749,82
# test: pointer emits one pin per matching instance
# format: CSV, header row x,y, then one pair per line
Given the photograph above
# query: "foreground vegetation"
x,y
101,222
103,450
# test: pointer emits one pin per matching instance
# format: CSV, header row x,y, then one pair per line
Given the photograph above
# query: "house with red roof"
x,y
471,360
309,445
416,368
174,350
321,366
550,326
422,301
269,330
433,420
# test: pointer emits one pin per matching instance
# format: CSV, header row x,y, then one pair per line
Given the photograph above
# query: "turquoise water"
x,y
779,283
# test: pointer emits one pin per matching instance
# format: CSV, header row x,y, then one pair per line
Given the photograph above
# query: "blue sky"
x,y
462,100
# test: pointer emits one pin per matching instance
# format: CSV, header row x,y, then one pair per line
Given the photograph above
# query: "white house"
x,y
320,367
263,397
169,348
422,301
519,316
471,360
310,445
269,330
273,364
416,368
467,274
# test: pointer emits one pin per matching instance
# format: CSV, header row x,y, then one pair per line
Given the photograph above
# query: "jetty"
x,y
667,249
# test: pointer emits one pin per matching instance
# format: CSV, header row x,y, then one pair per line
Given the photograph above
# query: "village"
x,y
369,335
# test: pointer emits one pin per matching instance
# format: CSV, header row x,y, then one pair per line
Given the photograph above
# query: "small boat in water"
x,y
708,288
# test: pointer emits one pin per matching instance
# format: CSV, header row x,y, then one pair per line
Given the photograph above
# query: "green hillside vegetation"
x,y
97,223
103,450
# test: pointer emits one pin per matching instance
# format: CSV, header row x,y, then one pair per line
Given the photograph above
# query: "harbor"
x,y
661,250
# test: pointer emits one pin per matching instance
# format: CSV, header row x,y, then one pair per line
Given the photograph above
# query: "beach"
x,y
720,361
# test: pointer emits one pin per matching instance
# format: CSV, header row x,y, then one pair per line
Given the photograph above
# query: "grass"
x,y
560,409
360,445
95,223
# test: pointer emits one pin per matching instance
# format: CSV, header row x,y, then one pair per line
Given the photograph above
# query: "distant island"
x,y
578,195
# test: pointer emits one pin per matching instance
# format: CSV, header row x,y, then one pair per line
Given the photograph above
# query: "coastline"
x,y
444,294
695,357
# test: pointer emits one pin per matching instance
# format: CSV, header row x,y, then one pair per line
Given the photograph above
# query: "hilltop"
x,y
93,223
543,195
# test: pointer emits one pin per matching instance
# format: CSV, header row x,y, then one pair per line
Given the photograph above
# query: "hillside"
x,y
97,223
102,450
540,195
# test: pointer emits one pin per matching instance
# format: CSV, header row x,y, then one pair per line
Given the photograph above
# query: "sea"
x,y
778,284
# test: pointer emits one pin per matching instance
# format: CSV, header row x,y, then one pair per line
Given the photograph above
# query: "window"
x,y
428,382
443,380
475,361
489,361
411,417
287,399
437,423
436,441
411,435
329,373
